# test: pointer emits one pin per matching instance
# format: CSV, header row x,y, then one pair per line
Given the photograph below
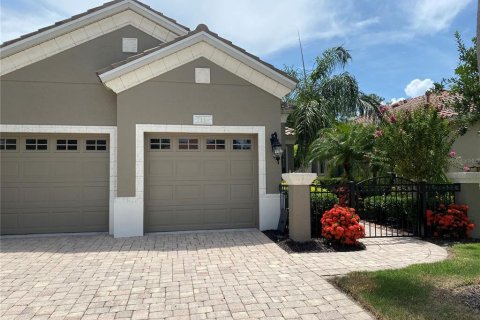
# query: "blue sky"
x,y
398,46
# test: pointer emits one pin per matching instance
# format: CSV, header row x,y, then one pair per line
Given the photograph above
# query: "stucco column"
x,y
299,225
469,195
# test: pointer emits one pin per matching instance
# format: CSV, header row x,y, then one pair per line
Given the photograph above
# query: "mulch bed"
x,y
315,245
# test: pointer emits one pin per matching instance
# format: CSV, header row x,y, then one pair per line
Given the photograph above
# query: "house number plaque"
x,y
203,119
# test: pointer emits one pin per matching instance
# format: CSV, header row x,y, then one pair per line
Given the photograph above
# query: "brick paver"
x,y
209,275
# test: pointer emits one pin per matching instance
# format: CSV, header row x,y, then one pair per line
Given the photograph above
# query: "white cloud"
x,y
261,27
394,100
418,87
429,16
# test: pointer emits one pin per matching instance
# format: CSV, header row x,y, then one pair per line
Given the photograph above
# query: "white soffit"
x,y
55,40
186,50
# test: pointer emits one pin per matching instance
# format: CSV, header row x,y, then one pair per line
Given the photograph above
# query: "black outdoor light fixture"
x,y
277,150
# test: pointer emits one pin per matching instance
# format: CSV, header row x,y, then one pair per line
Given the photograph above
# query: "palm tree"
x,y
345,144
325,96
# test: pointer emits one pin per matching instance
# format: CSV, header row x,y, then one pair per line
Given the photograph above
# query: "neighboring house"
x,y
120,119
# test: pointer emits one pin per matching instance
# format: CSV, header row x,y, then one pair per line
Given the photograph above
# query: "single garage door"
x,y
195,182
54,183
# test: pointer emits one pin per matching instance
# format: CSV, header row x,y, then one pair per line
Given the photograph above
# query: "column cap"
x,y
299,179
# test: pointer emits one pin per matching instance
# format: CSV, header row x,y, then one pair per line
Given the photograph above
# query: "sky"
x,y
399,47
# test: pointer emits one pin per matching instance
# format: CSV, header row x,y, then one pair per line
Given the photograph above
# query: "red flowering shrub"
x,y
341,225
451,221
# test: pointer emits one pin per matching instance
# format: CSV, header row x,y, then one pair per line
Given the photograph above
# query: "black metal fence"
x,y
388,206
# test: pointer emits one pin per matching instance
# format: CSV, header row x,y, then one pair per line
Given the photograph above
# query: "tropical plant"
x,y
416,144
346,144
325,95
465,84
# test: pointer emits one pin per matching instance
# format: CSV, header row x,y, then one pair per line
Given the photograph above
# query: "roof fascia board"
x,y
184,43
86,20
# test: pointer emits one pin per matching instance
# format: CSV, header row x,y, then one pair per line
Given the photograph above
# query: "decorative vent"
x,y
130,45
202,75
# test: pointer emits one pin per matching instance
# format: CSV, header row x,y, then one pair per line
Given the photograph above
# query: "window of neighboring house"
x,y
96,145
215,144
242,144
160,144
8,144
67,144
36,144
188,144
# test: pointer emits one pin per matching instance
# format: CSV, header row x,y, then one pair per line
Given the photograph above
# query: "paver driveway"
x,y
228,274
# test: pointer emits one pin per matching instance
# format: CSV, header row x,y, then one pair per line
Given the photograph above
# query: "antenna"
x,y
303,60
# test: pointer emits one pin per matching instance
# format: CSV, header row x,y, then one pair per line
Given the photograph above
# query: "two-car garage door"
x,y
54,183
200,182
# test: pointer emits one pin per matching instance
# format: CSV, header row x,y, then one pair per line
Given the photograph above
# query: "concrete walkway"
x,y
211,275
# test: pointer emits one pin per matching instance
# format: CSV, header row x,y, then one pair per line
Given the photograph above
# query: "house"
x,y
121,119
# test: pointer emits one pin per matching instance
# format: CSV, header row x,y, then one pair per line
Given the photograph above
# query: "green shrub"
x,y
391,208
322,199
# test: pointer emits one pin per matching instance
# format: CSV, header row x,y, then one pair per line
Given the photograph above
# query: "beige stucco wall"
x,y
64,89
174,97
468,145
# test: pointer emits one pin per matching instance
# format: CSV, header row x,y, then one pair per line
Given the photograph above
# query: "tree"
x,y
478,36
416,144
465,85
346,145
325,95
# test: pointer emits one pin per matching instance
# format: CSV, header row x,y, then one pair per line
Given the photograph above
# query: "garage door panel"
x,y
187,192
243,215
96,193
216,191
98,169
207,189
242,192
33,169
216,168
54,191
31,195
242,168
10,195
161,168
10,170
188,168
216,216
66,194
160,193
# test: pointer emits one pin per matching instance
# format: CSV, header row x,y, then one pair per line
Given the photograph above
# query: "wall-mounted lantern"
x,y
277,149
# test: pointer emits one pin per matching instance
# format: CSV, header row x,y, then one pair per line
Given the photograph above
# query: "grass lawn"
x,y
424,291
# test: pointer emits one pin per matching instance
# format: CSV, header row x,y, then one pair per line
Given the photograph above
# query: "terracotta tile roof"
x,y
437,100
200,28
77,16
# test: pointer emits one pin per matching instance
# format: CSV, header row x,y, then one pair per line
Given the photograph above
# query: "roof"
x,y
437,100
90,11
200,28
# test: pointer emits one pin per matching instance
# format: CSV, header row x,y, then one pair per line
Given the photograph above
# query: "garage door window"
x,y
160,144
188,144
96,145
36,144
242,144
66,145
8,144
215,144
